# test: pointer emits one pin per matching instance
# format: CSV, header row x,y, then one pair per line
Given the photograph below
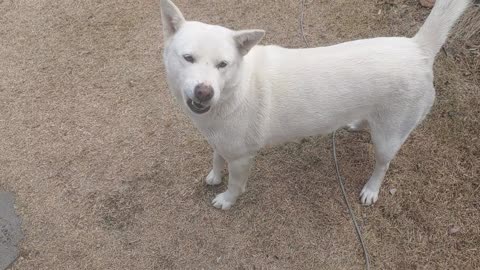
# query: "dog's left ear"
x,y
172,18
246,39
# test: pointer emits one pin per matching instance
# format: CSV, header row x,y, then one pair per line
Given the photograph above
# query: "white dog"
x,y
242,96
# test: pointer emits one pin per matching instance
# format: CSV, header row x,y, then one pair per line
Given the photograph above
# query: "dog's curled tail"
x,y
434,32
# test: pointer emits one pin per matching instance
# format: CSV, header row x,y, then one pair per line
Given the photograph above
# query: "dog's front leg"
x,y
238,172
215,175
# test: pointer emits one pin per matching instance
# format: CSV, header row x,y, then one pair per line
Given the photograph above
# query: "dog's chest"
x,y
231,140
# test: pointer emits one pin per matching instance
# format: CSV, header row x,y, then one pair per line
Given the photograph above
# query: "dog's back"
x,y
317,90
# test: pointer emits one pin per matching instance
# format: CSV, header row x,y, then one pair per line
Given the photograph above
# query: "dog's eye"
x,y
189,58
222,64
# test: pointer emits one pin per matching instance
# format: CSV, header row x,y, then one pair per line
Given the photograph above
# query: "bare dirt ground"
x,y
108,172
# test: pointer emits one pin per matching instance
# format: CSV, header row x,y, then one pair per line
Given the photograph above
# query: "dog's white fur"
x,y
269,94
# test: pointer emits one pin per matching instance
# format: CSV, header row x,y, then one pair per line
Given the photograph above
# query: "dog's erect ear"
x,y
172,18
246,39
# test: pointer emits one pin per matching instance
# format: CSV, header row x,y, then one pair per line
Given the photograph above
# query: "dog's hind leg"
x,y
358,125
387,141
215,175
389,130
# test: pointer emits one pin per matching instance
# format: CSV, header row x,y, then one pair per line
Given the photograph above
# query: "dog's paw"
x,y
212,179
368,196
223,201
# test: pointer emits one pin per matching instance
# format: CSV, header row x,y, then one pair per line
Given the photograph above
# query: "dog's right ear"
x,y
172,18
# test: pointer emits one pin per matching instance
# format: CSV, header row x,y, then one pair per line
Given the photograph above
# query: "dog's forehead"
x,y
205,38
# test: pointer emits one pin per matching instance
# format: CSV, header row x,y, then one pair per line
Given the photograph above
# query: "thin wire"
x,y
339,177
352,215
302,18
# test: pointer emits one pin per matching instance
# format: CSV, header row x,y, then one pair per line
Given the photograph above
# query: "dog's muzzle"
x,y
196,107
203,93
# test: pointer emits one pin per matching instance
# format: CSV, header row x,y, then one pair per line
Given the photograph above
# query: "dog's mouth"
x,y
196,107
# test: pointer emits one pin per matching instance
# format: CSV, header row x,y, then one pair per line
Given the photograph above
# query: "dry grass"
x,y
108,172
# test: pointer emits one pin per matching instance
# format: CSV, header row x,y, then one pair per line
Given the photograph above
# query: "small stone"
x,y
451,114
453,230
218,259
393,191
427,3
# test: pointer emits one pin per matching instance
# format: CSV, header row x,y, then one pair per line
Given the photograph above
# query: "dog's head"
x,y
202,61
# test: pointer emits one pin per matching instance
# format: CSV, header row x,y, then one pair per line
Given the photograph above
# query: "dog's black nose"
x,y
203,92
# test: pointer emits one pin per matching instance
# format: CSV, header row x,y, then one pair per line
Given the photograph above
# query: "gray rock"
x,y
10,230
